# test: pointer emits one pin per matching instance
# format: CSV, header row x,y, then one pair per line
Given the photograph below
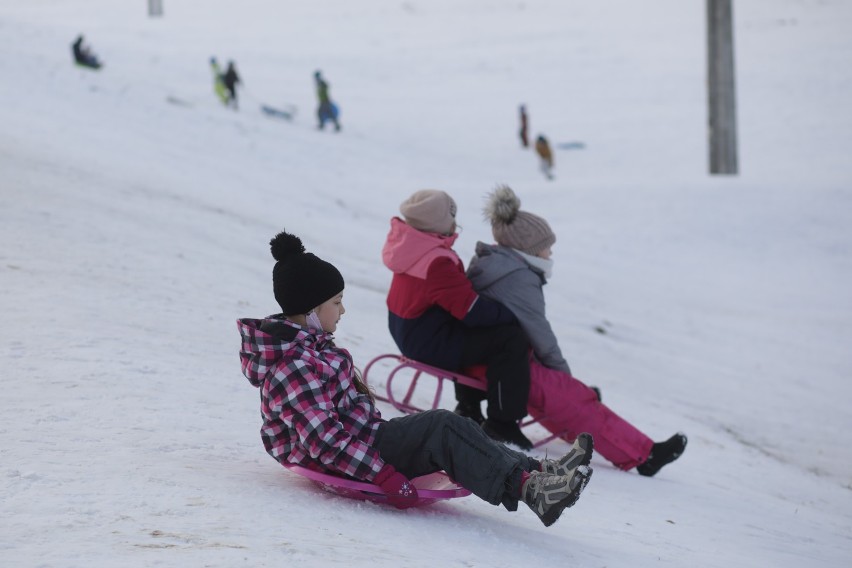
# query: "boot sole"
x,y
554,512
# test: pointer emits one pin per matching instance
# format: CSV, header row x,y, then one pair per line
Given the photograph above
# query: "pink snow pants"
x,y
564,404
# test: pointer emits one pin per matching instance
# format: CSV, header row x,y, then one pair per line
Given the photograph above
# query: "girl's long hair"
x,y
362,386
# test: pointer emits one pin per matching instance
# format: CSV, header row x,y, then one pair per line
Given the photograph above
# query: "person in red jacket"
x,y
318,413
523,132
436,317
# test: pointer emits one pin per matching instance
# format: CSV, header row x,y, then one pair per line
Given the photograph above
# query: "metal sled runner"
x,y
474,378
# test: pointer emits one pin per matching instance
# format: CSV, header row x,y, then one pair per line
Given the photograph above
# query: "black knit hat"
x,y
301,281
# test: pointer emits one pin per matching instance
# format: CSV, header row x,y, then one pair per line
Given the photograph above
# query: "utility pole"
x,y
721,88
155,8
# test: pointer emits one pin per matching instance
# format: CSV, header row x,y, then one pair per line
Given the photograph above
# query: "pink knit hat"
x,y
430,210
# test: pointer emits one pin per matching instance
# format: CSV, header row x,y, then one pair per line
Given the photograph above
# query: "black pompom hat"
x,y
301,281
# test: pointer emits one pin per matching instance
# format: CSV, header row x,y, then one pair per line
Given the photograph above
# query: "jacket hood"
x,y
493,263
266,341
406,247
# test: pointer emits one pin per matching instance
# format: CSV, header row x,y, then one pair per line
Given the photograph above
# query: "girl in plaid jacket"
x,y
317,412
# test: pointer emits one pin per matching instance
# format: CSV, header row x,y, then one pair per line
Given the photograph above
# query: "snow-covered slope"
x,y
134,231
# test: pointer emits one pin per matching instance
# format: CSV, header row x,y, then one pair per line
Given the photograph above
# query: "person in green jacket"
x,y
327,110
218,82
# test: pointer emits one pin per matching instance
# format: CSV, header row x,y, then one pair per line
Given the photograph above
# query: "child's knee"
x,y
514,338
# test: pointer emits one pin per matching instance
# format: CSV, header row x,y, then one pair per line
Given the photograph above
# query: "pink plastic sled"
x,y
474,377
430,488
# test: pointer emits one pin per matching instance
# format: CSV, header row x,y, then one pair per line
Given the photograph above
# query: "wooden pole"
x,y
155,8
721,88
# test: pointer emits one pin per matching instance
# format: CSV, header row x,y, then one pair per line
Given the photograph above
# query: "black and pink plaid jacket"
x,y
312,413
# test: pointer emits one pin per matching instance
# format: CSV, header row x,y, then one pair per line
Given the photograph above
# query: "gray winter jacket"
x,y
500,273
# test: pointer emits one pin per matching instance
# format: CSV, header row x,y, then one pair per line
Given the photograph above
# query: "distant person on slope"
x,y
436,317
218,81
513,273
230,80
542,148
523,133
318,413
327,110
83,54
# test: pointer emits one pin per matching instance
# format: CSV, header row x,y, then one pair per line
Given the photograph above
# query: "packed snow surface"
x,y
136,212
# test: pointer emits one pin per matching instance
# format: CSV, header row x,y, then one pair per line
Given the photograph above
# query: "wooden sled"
x,y
89,64
430,488
473,377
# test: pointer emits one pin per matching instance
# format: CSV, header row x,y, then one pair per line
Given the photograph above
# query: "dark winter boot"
x,y
597,393
580,454
548,495
506,432
663,453
470,409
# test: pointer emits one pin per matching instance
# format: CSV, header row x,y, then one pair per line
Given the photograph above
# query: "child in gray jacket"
x,y
513,272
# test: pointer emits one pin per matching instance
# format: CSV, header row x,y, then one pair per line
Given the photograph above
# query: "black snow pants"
x,y
504,349
434,440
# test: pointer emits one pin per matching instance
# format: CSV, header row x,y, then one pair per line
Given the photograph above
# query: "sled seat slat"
x,y
473,377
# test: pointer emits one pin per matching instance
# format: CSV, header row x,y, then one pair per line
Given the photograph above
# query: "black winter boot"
x,y
597,393
506,432
470,409
663,453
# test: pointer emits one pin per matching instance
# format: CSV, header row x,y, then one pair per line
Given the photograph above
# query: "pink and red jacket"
x,y
313,415
431,303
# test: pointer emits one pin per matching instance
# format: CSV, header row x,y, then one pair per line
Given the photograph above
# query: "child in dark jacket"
x,y
231,79
437,318
513,272
83,54
317,412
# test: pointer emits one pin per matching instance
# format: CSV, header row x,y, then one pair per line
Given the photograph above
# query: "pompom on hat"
x,y
301,281
514,228
430,210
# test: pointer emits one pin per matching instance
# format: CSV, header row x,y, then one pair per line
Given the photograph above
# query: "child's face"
x,y
330,311
546,253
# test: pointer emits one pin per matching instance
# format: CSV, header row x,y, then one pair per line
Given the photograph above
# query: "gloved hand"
x,y
401,493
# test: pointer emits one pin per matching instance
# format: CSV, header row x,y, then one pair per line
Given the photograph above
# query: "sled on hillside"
x,y
430,488
570,146
83,56
89,64
329,112
285,113
177,101
409,372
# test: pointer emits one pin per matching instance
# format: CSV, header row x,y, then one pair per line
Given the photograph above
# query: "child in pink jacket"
x,y
436,317
513,273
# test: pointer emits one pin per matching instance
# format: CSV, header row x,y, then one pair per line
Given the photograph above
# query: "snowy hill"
x,y
134,233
